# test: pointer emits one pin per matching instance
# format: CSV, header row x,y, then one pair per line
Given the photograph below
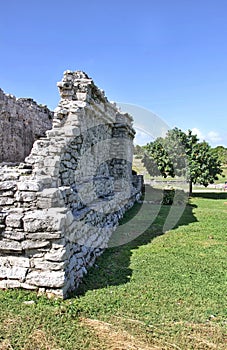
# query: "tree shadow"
x,y
210,195
113,266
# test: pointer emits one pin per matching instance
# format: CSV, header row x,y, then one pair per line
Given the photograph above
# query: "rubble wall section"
x,y
60,207
22,121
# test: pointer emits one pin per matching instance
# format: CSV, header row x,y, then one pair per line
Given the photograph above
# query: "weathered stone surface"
x,y
7,246
14,261
25,196
59,208
52,279
5,284
7,185
30,244
21,122
44,235
14,272
14,219
13,235
56,255
42,264
43,220
6,201
28,186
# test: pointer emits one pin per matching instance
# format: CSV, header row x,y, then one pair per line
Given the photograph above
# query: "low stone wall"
x,y
22,121
59,208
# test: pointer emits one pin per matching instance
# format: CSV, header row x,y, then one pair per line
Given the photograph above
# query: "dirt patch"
x,y
39,340
5,345
115,339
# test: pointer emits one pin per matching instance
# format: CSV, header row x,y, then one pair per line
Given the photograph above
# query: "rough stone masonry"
x,y
60,205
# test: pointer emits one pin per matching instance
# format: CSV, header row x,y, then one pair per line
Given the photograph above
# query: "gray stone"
x,y
5,284
42,264
7,185
6,201
14,260
44,220
25,122
62,204
44,235
28,186
29,244
14,219
56,255
13,272
7,246
51,279
13,235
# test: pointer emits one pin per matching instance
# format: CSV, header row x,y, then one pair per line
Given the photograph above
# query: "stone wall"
x,y
59,208
22,121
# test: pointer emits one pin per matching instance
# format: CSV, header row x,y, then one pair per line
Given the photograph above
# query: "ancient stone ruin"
x,y
65,181
22,122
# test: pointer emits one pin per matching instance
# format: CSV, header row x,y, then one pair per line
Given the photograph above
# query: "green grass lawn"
x,y
159,291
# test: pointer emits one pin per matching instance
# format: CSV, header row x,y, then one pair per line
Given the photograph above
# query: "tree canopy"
x,y
181,154
221,153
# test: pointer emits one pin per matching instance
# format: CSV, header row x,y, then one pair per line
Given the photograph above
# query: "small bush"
x,y
172,196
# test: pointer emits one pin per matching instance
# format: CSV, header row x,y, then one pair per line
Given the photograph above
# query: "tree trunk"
x,y
190,187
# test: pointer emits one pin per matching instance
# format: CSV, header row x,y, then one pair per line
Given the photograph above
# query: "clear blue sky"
x,y
167,56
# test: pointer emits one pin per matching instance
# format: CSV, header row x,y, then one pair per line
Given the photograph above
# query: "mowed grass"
x,y
159,291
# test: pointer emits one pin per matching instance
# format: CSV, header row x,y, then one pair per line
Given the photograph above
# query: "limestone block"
x,y
52,279
13,235
42,264
14,261
6,201
58,243
7,185
5,284
44,220
7,194
56,254
30,244
14,219
52,161
30,185
44,235
50,197
7,246
13,175
13,272
25,196
69,131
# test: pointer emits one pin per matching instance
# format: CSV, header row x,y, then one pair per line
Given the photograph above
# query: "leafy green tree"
x,y
221,153
138,151
180,154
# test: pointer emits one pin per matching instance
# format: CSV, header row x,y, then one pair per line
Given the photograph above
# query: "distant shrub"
x,y
172,196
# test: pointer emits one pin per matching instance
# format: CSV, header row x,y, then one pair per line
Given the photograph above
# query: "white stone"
x,y
30,244
52,279
14,219
56,254
7,246
28,186
44,220
13,272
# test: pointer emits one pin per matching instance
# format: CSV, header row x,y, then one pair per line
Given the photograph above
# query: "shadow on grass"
x,y
210,195
112,267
